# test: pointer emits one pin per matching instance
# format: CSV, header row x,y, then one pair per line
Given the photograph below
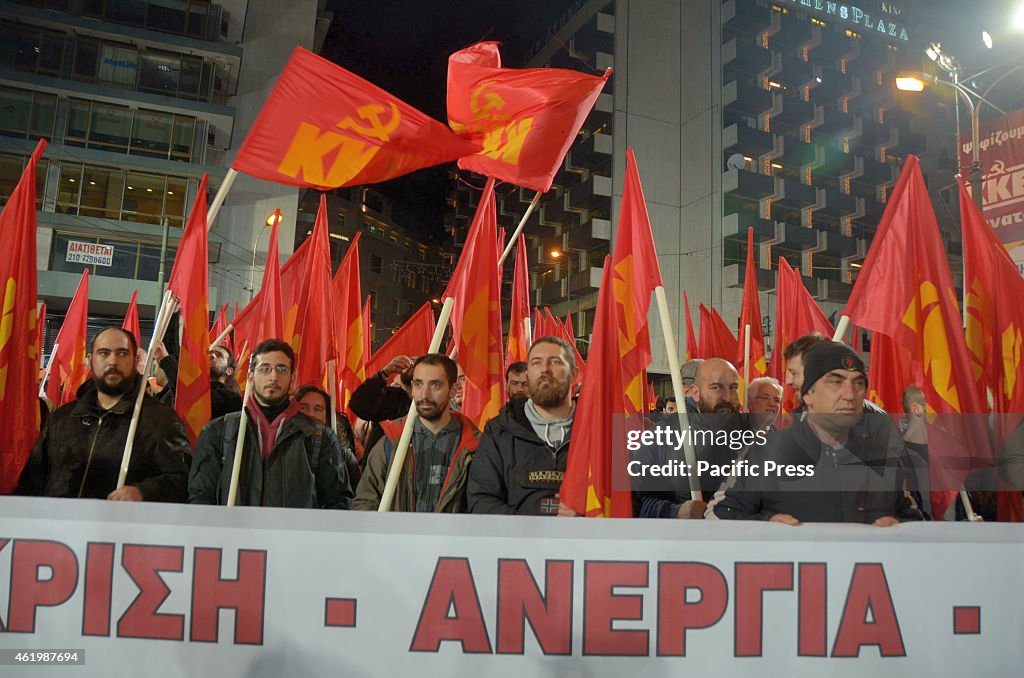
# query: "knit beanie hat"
x,y
826,356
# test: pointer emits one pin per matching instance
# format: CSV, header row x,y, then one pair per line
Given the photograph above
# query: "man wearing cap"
x,y
824,468
688,372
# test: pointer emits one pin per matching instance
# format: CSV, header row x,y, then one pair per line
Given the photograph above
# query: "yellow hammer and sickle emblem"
x,y
491,103
377,129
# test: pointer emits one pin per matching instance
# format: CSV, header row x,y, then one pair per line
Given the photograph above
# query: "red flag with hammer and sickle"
x,y
325,127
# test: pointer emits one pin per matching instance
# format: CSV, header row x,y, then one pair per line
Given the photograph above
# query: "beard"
x,y
723,407
117,388
549,393
429,410
217,372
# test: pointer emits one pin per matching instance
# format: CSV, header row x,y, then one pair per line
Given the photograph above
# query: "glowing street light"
x,y
909,84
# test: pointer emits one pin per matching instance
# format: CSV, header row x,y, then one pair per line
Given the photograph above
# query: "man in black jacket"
x,y
521,459
832,470
80,450
288,459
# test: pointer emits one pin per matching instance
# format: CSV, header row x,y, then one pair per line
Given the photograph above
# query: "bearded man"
x,y
79,451
521,460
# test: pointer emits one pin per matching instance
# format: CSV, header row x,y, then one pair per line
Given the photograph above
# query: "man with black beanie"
x,y
832,470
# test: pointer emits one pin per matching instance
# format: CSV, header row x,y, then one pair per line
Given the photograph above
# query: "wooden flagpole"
x,y
163,318
46,373
677,389
236,462
218,199
519,228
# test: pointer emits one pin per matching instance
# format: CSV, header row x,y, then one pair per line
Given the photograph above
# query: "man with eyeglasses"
x,y
289,460
79,451
764,402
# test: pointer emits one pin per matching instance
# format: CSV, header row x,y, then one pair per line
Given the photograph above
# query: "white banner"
x,y
89,253
168,590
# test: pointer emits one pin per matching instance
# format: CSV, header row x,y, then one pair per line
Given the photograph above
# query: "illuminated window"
x,y
780,10
852,34
818,22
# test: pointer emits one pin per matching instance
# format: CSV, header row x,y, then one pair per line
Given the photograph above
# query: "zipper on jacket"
x,y
92,447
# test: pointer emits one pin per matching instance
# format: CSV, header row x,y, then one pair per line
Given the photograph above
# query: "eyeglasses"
x,y
770,399
267,368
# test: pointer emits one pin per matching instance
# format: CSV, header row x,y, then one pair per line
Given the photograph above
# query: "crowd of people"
x,y
862,465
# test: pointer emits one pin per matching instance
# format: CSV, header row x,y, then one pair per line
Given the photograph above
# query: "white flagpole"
x,y
46,373
844,324
334,395
236,463
677,389
746,363
220,337
403,443
163,318
218,199
519,228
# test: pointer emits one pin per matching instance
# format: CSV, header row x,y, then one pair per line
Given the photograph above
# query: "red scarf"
x,y
266,429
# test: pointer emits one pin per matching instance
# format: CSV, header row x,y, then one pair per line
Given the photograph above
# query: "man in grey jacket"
x,y
289,460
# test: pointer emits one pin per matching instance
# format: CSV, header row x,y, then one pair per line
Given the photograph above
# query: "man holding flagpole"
x,y
288,459
79,451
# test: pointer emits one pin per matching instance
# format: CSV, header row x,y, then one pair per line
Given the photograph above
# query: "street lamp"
x,y
916,82
274,218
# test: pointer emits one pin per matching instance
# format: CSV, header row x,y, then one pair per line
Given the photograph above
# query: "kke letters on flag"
x,y
325,127
525,118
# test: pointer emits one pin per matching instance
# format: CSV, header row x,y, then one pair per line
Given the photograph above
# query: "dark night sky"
x,y
403,47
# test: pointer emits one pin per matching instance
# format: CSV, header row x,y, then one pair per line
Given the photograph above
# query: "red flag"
x,y
368,333
570,335
595,484
652,397
325,127
717,340
525,119
796,314
476,316
635,275
19,353
189,281
411,339
750,316
518,341
890,372
131,319
995,324
348,320
905,291
692,351
271,313
41,326
995,320
312,339
69,369
292,281
538,324
220,324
